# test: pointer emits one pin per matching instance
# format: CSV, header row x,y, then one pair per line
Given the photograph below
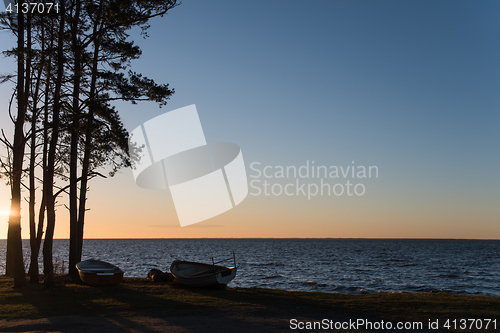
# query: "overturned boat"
x,y
196,274
99,273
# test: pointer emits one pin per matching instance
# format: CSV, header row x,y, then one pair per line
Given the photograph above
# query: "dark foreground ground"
x,y
140,305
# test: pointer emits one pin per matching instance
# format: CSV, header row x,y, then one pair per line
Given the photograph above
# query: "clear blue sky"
x,y
409,86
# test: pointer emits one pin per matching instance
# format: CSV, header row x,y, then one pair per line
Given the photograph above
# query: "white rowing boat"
x,y
99,273
196,274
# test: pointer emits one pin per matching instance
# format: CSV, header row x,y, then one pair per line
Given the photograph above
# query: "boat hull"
x,y
101,280
99,273
193,274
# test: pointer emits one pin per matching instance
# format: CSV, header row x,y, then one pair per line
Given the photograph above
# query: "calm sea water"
x,y
329,265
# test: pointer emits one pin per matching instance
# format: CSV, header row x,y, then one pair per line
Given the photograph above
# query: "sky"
x,y
410,88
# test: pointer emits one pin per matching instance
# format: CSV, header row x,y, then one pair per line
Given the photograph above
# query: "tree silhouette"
x,y
77,64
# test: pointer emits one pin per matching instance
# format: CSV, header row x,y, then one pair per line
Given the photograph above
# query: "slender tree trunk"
x,y
75,135
49,181
15,262
33,271
88,139
36,233
41,213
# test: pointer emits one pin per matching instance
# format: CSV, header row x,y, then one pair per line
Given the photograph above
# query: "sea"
x,y
357,266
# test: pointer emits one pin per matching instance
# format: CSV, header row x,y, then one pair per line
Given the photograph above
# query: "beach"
x,y
141,305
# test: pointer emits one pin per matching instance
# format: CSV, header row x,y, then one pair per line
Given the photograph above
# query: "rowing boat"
x,y
196,274
99,273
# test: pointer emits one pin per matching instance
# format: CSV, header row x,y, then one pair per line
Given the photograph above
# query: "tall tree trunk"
x,y
36,233
75,135
15,262
88,137
48,183
33,271
41,213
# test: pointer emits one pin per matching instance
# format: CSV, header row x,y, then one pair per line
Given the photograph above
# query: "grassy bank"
x,y
141,296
